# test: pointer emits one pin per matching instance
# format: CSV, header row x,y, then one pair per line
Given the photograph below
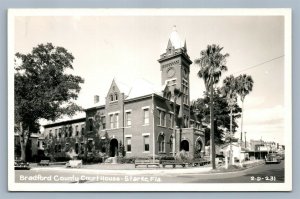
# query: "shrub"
x,y
125,160
61,158
166,158
131,160
182,156
91,158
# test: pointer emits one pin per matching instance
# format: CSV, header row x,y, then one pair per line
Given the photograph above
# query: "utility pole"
x,y
212,130
245,140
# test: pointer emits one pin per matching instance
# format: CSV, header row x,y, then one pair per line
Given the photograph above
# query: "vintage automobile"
x,y
21,165
272,158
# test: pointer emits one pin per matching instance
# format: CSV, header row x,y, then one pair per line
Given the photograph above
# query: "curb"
x,y
132,172
199,171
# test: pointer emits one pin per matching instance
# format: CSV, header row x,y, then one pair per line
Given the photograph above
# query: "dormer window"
x,y
113,97
169,96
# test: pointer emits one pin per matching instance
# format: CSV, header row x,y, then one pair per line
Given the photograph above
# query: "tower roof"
x,y
175,39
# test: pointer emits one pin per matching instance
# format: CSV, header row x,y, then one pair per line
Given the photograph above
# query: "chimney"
x,y
96,99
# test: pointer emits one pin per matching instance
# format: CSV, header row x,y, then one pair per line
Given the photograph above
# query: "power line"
x,y
259,64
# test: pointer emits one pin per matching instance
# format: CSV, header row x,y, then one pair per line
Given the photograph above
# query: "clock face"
x,y
171,72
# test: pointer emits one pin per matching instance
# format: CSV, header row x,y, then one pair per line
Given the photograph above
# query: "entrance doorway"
x,y
113,148
184,145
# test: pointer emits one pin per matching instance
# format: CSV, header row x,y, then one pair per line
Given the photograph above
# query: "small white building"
x,y
236,150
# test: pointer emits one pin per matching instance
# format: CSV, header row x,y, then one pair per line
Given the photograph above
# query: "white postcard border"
x,y
286,186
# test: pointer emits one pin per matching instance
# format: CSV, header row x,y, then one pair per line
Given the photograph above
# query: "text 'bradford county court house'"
x,y
140,118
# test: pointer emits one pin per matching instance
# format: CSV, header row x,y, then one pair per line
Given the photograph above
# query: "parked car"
x,y
272,158
281,156
21,165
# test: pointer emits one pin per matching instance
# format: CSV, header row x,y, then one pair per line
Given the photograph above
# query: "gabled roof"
x,y
143,87
140,87
124,88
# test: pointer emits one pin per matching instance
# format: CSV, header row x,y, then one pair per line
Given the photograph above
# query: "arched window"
x,y
184,145
116,97
76,148
111,97
169,96
161,143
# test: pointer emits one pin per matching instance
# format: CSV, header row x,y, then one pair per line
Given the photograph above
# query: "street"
x,y
271,173
262,174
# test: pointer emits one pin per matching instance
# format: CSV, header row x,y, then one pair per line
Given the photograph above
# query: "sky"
x,y
128,47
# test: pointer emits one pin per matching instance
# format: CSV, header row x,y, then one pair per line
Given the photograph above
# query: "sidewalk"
x,y
129,169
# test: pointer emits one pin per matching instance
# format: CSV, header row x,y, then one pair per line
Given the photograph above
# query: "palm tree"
x,y
245,85
212,64
229,90
176,94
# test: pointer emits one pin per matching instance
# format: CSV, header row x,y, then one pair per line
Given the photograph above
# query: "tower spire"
x,y
185,48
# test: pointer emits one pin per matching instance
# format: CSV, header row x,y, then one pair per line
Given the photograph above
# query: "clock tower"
x,y
175,69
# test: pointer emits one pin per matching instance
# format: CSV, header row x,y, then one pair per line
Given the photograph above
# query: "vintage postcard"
x,y
149,100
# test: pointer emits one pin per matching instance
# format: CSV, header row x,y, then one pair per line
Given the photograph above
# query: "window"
x,y
116,97
59,132
70,131
103,122
146,116
90,124
50,133
161,143
111,121
65,131
128,118
55,149
76,148
117,120
76,129
59,148
162,118
82,129
111,98
185,89
128,147
171,120
169,96
146,143
55,133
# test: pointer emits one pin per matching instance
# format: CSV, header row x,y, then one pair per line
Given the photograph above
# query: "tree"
x,y
43,89
212,64
229,90
201,106
244,87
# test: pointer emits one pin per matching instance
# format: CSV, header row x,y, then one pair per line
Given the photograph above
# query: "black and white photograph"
x,y
149,100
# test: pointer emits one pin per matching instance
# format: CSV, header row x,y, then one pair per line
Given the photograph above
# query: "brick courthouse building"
x,y
140,119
